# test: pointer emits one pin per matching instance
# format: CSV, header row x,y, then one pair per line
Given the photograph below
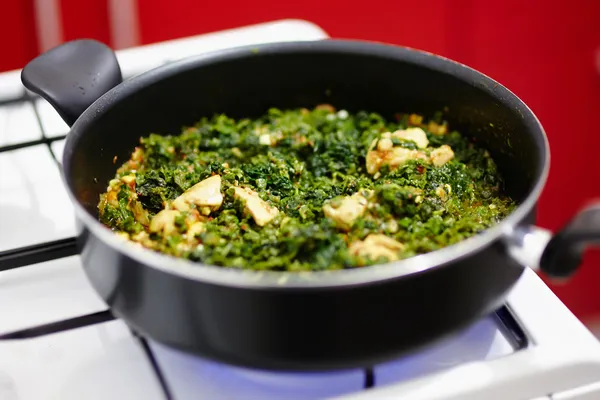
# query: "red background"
x,y
544,51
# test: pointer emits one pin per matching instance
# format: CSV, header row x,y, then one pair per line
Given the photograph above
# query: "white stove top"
x,y
540,350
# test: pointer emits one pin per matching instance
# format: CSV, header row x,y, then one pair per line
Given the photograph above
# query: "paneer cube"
x,y
205,194
414,134
260,210
375,246
348,210
394,157
441,155
164,222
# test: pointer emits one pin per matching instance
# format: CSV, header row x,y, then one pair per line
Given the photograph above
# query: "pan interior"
x,y
359,76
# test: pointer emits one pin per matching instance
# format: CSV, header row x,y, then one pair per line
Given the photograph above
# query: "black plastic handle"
x,y
562,255
72,76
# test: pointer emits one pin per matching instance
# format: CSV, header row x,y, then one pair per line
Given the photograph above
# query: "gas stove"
x,y
59,341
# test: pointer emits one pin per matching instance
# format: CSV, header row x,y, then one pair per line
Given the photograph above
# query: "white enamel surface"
x,y
98,362
18,123
564,355
140,59
136,60
34,206
44,293
10,85
589,392
93,363
481,341
189,375
52,123
106,362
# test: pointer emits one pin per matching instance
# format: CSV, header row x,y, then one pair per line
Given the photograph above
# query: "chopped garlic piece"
x,y
391,226
327,107
376,245
112,197
183,247
205,211
416,135
415,119
437,129
395,157
441,193
385,144
260,210
123,235
441,155
164,222
128,179
195,229
142,238
206,193
349,209
265,139
140,213
237,152
138,154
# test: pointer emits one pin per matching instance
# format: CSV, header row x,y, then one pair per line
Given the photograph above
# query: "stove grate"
x,y
159,374
37,253
62,248
59,326
51,250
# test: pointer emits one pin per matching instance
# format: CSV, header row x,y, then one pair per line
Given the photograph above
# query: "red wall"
x,y
543,51
17,36
85,18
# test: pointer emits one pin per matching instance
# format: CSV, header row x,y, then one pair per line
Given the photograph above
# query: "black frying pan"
x,y
321,320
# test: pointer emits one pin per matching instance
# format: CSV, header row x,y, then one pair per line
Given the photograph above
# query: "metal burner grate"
x,y
50,132
36,136
36,253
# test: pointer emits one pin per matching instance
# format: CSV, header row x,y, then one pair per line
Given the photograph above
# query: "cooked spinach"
x,y
300,189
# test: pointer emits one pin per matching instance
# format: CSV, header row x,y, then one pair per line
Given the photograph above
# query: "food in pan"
x,y
298,190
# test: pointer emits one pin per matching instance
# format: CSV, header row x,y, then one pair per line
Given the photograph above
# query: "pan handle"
x,y
72,76
558,256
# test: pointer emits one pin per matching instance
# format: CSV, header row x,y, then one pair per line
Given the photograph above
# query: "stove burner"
x,y
224,381
29,255
220,381
494,336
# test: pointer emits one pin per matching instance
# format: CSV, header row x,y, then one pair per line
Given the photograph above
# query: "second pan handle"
x,y
559,255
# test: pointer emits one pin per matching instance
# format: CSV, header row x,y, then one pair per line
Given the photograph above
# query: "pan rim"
x,y
274,279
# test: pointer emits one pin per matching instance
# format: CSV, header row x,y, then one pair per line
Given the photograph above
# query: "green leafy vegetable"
x,y
315,204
